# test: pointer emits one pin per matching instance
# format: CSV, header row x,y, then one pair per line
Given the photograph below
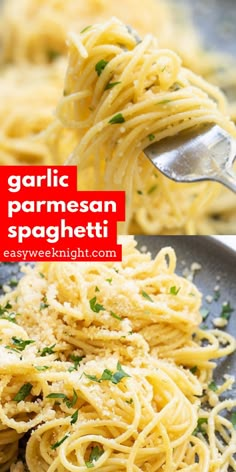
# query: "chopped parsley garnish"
x,y
23,392
107,374
74,417
97,289
47,350
109,281
86,29
115,316
163,102
100,66
151,137
145,295
76,360
42,275
96,307
212,386
13,283
20,344
174,290
204,312
110,85
41,368
119,374
69,403
193,370
5,315
43,304
58,443
57,395
94,378
204,326
226,311
95,454
216,295
233,419
130,401
117,119
139,192
199,428
152,189
53,55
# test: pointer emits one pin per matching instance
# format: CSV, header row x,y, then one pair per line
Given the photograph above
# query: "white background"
x,y
228,240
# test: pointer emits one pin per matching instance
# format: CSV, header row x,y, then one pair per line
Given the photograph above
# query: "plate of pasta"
x,y
113,366
78,85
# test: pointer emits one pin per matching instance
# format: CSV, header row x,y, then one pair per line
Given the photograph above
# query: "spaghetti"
x,y
107,367
121,96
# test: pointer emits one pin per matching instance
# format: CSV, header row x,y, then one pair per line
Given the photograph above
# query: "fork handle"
x,y
228,179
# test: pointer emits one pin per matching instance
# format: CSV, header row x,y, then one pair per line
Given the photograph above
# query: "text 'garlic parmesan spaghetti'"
x,y
106,366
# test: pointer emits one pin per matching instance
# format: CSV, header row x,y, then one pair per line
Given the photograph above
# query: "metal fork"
x,y
206,153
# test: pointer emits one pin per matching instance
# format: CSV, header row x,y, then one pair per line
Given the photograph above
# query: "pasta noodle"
x,y
100,367
119,96
33,36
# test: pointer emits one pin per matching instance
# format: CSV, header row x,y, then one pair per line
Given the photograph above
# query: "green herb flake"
x,y
174,290
95,454
53,55
115,316
100,66
43,304
47,350
94,378
193,370
212,386
216,295
76,360
119,375
199,428
58,443
4,309
71,403
41,368
163,102
204,326
20,344
130,401
139,192
74,417
151,137
109,281
233,419
226,311
96,307
86,29
13,283
152,189
204,312
57,395
145,295
97,289
110,85
117,119
23,392
107,374
42,275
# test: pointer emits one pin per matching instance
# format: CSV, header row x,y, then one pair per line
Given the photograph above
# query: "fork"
x,y
205,153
